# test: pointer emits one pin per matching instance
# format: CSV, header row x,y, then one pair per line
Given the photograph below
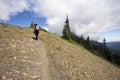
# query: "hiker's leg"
x,y
36,37
36,34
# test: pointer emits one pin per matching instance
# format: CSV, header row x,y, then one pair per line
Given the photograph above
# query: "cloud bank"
x,y
87,17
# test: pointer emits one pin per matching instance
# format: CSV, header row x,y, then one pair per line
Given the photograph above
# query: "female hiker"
x,y
36,31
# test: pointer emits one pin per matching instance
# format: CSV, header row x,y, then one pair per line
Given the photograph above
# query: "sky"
x,y
95,18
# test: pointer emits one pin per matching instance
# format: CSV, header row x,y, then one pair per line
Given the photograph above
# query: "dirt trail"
x,y
21,57
45,63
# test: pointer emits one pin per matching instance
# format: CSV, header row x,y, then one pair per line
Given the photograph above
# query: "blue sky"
x,y
112,35
96,18
25,18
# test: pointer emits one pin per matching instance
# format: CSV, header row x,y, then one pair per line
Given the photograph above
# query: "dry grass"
x,y
21,57
67,61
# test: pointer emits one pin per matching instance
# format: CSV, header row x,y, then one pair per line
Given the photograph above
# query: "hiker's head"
x,y
35,24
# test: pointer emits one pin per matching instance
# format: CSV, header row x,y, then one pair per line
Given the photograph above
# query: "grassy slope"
x,y
67,61
73,62
21,57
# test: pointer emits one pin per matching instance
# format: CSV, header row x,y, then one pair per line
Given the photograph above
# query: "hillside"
x,y
21,57
49,58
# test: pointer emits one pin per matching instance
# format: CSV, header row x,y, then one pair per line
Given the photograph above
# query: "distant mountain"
x,y
96,43
114,46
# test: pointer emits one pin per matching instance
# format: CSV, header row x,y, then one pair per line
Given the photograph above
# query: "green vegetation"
x,y
32,24
66,30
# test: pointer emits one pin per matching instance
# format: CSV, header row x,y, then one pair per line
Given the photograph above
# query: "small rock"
x,y
22,51
14,58
34,77
4,77
13,40
10,44
17,71
25,57
28,68
25,74
32,50
14,46
23,60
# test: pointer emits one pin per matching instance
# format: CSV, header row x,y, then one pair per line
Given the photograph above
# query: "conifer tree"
x,y
32,24
82,39
72,36
104,42
88,42
107,52
66,30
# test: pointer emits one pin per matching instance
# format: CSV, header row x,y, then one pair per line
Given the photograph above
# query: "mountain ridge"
x,y
114,46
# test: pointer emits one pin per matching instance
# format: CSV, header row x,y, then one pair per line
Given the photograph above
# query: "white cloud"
x,y
112,39
11,7
87,17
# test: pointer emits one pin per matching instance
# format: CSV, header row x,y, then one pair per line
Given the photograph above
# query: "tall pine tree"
x,y
66,30
104,42
107,52
88,42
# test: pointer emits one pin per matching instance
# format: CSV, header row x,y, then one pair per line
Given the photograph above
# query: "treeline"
x,y
99,49
93,46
